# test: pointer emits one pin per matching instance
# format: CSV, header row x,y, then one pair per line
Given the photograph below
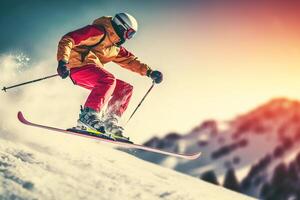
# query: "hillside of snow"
x,y
56,166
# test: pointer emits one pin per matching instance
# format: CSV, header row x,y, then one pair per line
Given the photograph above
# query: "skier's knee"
x,y
129,87
125,85
109,79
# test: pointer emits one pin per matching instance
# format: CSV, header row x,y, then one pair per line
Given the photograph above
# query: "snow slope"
x,y
55,166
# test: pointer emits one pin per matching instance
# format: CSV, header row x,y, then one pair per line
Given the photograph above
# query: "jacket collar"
x,y
110,32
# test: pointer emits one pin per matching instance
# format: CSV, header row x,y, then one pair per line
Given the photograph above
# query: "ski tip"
x,y
194,156
21,117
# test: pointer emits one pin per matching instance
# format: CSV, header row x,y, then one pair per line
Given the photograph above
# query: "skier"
x,y
82,55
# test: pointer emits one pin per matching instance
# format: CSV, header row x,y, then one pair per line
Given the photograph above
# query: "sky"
x,y
219,58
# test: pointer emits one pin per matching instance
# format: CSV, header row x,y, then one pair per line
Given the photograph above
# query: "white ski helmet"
x,y
128,23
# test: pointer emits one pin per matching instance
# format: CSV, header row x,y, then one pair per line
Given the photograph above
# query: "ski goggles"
x,y
129,32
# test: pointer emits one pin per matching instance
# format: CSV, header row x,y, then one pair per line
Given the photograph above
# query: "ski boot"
x,y
112,127
90,122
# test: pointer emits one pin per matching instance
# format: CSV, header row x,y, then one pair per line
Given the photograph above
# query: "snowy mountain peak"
x,y
252,145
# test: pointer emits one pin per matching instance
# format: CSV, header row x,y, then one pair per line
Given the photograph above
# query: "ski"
x,y
127,145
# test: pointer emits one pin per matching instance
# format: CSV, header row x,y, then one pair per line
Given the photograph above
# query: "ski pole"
x,y
141,101
28,82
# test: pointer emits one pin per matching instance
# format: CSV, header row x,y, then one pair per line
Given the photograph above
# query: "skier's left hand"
x,y
155,75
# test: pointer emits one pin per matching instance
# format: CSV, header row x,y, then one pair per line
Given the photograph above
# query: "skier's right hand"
x,y
62,69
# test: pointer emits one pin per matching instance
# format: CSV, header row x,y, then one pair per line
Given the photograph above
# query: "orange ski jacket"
x,y
96,44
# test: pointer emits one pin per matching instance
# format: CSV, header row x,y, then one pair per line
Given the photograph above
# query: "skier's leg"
x,y
99,81
120,98
116,107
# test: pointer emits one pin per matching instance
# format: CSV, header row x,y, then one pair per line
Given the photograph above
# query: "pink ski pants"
x,y
104,88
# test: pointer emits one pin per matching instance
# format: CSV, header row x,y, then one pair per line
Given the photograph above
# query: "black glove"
x,y
62,69
155,75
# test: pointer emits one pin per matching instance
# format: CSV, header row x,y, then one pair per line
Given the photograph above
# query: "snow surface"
x,y
56,166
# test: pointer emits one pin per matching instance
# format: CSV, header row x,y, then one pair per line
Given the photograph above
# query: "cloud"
x,y
52,101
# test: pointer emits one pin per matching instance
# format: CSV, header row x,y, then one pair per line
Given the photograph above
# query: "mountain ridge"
x,y
254,142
